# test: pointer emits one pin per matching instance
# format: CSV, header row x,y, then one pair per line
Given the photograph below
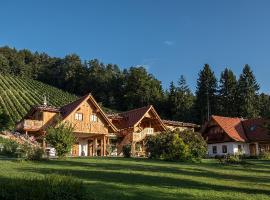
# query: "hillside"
x,y
17,95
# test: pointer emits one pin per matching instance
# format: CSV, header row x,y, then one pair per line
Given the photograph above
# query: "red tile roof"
x,y
242,130
232,126
256,130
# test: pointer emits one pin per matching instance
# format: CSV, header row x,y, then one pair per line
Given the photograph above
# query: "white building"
x,y
227,135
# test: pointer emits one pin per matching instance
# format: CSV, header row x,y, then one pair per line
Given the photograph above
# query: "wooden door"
x,y
75,149
252,149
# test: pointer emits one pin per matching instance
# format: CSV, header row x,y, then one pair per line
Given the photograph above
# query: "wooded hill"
x,y
17,95
133,87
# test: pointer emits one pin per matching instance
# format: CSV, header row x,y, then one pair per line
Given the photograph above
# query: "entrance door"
x,y
252,149
75,149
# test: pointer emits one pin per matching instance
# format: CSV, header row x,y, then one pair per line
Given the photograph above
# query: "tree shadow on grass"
x,y
129,179
187,169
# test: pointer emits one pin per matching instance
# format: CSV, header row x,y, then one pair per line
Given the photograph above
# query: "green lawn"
x,y
119,178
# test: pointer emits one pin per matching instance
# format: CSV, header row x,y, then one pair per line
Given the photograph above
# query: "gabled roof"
x,y
231,126
73,106
42,108
256,129
132,118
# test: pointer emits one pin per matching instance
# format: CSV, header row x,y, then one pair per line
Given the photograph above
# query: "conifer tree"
x,y
206,99
184,101
247,94
227,94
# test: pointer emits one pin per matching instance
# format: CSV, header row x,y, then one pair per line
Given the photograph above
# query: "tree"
x,y
184,101
247,94
206,99
227,94
61,137
5,121
264,106
171,101
140,88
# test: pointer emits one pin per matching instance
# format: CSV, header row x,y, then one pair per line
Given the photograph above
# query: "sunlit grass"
x,y
119,178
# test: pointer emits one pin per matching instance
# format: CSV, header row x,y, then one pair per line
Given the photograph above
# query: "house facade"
x,y
98,133
226,135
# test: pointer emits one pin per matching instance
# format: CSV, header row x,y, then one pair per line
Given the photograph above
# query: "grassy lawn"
x,y
119,178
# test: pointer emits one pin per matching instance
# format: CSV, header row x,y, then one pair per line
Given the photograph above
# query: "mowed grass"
x,y
119,178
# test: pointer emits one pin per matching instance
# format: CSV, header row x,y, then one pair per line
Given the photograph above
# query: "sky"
x,y
169,37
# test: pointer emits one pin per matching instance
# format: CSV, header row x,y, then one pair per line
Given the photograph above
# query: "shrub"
x,y
50,187
177,150
167,146
176,145
265,155
196,143
8,147
231,159
61,137
127,150
28,152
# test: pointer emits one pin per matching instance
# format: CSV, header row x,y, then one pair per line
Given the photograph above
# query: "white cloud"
x,y
168,42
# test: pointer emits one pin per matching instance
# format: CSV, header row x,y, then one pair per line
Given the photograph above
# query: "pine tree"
x,y
247,94
206,99
184,101
172,100
264,103
227,94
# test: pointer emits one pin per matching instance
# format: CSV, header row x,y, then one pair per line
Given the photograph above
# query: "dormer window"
x,y
93,118
252,128
79,116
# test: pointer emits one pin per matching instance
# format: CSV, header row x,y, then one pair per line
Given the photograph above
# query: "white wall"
x,y
232,148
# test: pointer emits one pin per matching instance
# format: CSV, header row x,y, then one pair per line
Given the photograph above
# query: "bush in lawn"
x,y
167,146
265,155
127,150
28,152
8,147
61,137
232,159
50,187
196,143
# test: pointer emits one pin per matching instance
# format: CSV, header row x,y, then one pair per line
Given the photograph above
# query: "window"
x,y
79,116
239,148
214,148
93,118
253,128
224,148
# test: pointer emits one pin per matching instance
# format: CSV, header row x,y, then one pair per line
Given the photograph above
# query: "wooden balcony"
x,y
95,128
141,135
29,125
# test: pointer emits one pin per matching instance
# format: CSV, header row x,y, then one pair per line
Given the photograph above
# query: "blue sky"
x,y
169,38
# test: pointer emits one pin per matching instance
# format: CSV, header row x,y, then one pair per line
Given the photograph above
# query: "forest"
x,y
127,88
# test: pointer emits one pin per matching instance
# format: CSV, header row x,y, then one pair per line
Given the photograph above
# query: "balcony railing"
x,y
30,125
141,135
91,128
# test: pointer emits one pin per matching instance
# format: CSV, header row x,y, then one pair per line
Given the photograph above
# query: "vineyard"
x,y
17,95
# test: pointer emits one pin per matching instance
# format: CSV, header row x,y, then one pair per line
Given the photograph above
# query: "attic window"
x,y
253,128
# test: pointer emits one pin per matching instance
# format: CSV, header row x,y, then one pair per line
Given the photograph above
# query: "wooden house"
x,y
99,134
92,127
